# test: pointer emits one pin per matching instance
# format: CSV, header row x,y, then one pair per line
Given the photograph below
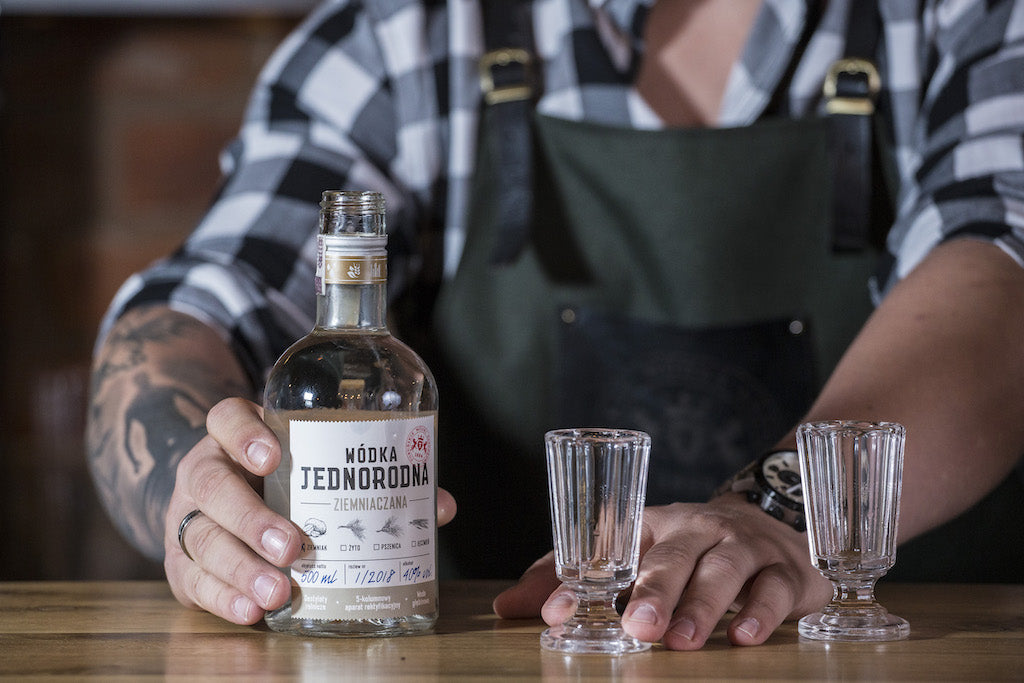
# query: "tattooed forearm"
x,y
154,379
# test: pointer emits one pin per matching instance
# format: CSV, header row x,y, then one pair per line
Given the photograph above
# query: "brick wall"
x,y
110,130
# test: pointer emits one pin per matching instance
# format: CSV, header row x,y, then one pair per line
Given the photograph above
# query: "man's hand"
x,y
238,542
697,562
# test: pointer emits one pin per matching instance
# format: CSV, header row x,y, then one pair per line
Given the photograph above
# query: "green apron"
x,y
681,281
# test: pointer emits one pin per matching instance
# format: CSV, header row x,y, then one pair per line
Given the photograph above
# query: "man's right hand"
x,y
238,542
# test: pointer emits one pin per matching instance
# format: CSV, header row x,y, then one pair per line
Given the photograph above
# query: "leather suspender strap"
x,y
508,83
851,87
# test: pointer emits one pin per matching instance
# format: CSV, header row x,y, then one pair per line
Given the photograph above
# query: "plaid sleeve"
x,y
347,101
962,153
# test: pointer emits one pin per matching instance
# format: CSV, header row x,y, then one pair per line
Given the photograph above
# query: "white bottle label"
x,y
364,493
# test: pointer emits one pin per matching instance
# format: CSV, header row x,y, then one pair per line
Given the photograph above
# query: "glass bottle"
x,y
355,410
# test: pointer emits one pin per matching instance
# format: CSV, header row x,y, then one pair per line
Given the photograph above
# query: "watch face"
x,y
781,471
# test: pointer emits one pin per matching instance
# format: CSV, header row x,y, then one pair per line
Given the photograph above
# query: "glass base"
x,y
854,625
581,640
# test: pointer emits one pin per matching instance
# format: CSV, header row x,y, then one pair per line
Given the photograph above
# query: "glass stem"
x,y
854,593
596,609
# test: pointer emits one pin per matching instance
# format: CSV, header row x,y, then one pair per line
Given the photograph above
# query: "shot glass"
x,y
597,480
852,477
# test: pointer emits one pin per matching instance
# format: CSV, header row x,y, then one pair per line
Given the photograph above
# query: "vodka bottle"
x,y
356,413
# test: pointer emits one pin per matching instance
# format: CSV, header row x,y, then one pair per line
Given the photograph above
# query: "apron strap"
x,y
507,79
851,87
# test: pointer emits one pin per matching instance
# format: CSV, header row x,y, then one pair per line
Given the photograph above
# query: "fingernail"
x,y
241,607
562,601
750,627
258,452
263,587
274,542
684,628
644,614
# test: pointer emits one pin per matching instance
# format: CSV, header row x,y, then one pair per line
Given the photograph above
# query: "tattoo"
x,y
147,412
173,436
127,346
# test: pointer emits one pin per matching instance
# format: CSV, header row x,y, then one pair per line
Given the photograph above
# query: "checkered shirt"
x,y
385,95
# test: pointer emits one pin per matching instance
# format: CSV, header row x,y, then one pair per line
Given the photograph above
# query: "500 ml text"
x,y
364,478
313,577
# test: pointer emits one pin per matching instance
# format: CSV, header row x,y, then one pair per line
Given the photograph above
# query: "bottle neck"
x,y
351,282
362,307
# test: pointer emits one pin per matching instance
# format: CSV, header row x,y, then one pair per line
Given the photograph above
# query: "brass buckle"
x,y
851,105
505,93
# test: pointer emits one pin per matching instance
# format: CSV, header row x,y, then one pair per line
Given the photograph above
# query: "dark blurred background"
x,y
112,116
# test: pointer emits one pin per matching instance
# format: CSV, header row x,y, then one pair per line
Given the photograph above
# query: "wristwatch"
x,y
773,483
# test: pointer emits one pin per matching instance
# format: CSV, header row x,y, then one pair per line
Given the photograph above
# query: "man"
x,y
385,96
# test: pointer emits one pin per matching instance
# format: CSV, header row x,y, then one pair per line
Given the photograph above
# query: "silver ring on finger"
x,y
185,521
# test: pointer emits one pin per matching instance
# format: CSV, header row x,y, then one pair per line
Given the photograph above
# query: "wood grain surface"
x,y
137,631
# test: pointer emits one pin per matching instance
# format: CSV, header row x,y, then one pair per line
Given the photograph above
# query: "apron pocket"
x,y
711,399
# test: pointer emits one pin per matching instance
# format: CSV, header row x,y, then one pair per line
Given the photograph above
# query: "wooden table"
x,y
135,630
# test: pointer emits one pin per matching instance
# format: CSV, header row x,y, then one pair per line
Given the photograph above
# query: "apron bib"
x,y
682,282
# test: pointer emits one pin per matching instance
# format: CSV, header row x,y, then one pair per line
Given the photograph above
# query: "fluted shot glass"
x,y
852,475
597,480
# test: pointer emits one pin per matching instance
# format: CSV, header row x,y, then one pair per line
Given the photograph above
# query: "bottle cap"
x,y
351,240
